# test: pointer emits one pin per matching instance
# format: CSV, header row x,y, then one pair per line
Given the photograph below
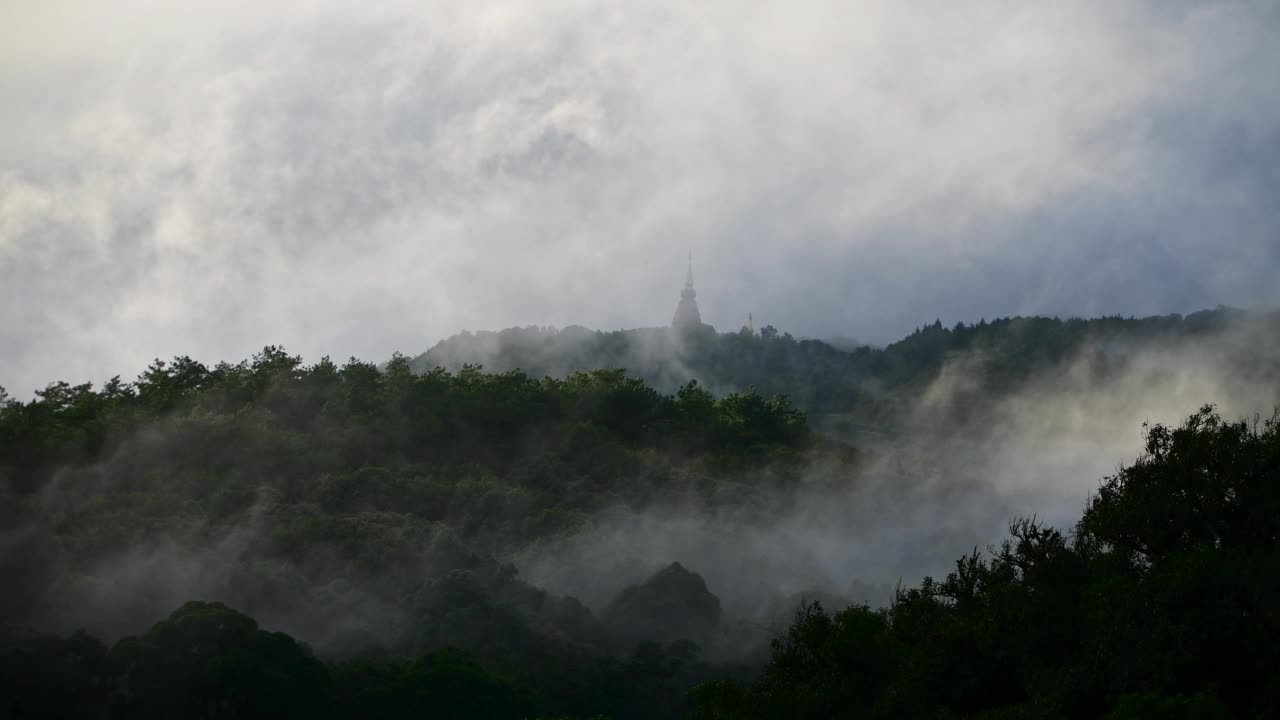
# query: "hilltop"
x,y
869,388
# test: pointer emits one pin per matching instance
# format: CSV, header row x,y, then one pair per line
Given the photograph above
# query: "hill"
x,y
865,388
470,543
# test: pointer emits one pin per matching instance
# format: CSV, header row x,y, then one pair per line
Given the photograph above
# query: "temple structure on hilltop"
x,y
687,316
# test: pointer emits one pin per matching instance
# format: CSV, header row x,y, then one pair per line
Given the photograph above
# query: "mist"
x,y
949,471
935,489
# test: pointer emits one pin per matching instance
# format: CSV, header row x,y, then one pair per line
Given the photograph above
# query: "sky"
x,y
206,178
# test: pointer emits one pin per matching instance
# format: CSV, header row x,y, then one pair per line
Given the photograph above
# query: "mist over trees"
x,y
269,537
843,389
369,513
1159,603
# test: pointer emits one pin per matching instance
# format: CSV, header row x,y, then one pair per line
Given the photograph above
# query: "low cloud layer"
x,y
352,178
938,489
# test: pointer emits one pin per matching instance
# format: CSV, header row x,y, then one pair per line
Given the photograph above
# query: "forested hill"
x,y
387,520
371,513
363,510
869,385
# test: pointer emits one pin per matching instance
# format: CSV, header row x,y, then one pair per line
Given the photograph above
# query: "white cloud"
x,y
352,178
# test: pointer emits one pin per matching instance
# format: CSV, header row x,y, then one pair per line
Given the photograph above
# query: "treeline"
x,y
359,414
866,384
502,458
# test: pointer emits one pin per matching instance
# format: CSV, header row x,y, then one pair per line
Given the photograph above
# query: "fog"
x,y
958,465
935,490
55,585
360,178
927,494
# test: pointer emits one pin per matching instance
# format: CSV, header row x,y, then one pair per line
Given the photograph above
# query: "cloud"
x,y
355,178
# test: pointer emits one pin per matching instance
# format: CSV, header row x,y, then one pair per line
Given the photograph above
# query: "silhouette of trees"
x,y
1160,603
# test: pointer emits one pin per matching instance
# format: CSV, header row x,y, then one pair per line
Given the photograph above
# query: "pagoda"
x,y
687,316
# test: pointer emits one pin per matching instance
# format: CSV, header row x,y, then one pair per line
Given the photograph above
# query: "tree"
x,y
207,660
1160,604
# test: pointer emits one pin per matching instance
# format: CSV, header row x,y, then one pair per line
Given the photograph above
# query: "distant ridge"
x,y
856,383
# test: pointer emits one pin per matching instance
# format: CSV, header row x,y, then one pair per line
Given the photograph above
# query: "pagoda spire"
x,y
687,315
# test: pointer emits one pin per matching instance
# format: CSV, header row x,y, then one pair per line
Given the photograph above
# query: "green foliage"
x,y
854,387
269,420
1160,604
325,489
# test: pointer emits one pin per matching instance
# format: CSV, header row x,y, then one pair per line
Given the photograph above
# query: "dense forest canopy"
x,y
865,386
372,512
354,540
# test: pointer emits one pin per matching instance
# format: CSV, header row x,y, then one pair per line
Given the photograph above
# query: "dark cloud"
x,y
354,180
